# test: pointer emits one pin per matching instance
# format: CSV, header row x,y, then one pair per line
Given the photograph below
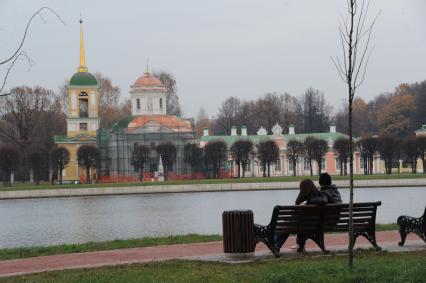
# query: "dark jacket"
x,y
316,198
332,194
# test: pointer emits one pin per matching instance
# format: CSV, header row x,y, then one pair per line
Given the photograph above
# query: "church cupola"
x,y
148,95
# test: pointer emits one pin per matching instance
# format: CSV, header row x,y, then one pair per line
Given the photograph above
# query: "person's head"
x,y
307,187
324,179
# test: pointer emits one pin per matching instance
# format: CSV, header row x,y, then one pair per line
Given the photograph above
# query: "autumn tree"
x,y
240,152
140,156
87,157
395,118
320,149
167,151
341,147
60,157
215,153
172,100
421,143
193,155
386,148
295,150
310,143
9,161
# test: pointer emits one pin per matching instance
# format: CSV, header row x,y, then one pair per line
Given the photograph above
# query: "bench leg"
x,y
403,235
370,236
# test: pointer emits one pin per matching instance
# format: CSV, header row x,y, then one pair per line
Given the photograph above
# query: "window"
x,y
138,104
83,126
161,103
361,163
306,164
290,165
83,93
323,164
337,164
248,166
278,164
83,107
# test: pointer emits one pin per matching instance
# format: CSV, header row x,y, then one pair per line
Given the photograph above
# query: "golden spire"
x,y
82,67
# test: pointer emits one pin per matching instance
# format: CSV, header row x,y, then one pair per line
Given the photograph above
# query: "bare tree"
x,y
193,155
412,152
240,152
295,150
421,142
267,153
140,156
60,157
341,147
167,151
309,143
386,148
87,157
19,53
320,149
355,34
172,100
215,153
9,161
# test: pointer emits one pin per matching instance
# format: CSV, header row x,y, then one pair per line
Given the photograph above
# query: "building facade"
x,y
283,166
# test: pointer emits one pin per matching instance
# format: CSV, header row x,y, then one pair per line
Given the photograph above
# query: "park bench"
x,y
312,221
408,224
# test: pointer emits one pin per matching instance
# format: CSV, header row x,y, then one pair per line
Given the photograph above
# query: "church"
x,y
148,125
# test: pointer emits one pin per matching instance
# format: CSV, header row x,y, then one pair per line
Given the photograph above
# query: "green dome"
x,y
83,78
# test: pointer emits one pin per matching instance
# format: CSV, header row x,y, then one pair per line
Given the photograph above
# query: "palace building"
x,y
82,114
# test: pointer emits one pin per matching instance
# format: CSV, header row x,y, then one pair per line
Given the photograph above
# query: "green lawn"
x,y
124,244
369,267
44,186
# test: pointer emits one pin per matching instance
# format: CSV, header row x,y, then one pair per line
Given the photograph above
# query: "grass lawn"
x,y
369,267
124,244
44,186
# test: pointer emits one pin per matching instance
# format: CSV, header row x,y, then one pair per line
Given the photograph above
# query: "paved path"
x,y
199,251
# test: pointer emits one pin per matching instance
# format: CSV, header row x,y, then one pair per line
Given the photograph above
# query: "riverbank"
x,y
193,186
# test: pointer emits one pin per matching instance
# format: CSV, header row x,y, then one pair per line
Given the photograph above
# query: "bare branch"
x,y
38,12
21,54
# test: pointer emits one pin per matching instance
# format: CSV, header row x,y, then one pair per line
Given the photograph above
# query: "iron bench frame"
x,y
312,221
408,224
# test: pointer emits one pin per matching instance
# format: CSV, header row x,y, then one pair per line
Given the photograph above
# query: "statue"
x,y
160,170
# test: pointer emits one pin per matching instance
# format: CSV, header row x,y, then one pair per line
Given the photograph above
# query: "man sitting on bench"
x,y
329,189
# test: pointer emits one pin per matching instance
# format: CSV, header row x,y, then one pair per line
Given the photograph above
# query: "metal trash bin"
x,y
238,231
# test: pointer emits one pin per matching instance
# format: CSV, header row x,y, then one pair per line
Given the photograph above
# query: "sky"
x,y
214,49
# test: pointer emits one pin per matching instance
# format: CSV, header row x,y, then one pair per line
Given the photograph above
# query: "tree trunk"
x,y
88,175
239,169
60,175
141,172
269,170
294,167
264,169
424,164
351,185
310,167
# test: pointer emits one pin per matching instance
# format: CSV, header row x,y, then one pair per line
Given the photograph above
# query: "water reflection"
x,y
69,220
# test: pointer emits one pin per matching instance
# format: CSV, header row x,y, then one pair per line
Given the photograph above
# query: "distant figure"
x,y
328,189
309,194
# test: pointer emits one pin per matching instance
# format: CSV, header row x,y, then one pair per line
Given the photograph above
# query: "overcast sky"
x,y
215,49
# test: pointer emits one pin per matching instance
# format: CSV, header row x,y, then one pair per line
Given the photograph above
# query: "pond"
x,y
30,222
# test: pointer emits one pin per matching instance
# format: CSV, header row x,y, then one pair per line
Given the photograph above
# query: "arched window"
x,y
161,103
138,103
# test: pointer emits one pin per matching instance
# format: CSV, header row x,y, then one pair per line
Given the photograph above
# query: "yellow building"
x,y
82,115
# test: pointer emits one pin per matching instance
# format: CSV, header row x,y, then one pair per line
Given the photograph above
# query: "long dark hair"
x,y
307,187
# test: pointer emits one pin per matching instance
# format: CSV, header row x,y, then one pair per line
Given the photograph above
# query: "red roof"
x,y
148,80
169,121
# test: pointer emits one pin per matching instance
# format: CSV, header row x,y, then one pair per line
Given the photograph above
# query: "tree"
x,y
172,100
341,146
295,150
267,153
9,161
316,111
240,152
167,151
87,157
193,155
355,41
18,52
320,149
140,156
215,153
421,142
368,148
395,117
386,148
228,114
37,159
411,152
60,157
310,143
